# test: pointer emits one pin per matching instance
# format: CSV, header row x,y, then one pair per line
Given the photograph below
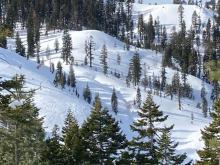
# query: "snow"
x,y
168,14
54,103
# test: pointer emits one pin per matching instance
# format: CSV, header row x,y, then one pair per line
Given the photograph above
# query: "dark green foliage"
x,y
209,155
144,146
167,149
114,101
21,128
87,94
102,137
60,76
89,48
149,33
30,36
53,154
134,73
20,49
103,59
71,77
67,46
72,148
138,98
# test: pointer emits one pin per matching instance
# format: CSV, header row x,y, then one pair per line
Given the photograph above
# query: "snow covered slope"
x,y
168,13
54,103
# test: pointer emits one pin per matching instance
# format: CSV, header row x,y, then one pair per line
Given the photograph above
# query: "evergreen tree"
x,y
56,45
87,94
204,101
21,127
167,148
144,145
138,98
90,45
71,77
114,101
30,36
67,46
53,153
103,59
20,49
135,69
58,75
163,79
210,154
102,137
72,149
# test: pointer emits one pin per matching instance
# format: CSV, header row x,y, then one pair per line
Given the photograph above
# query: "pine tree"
x,y
53,153
144,145
167,148
20,49
176,87
67,46
114,101
58,75
56,45
87,94
103,59
72,149
138,98
135,69
204,101
30,36
21,127
164,38
163,79
102,137
209,154
71,77
90,45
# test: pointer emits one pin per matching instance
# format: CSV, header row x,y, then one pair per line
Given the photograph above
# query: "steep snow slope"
x,y
54,103
163,1
168,14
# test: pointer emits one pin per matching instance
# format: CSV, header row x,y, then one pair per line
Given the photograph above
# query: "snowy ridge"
x,y
168,14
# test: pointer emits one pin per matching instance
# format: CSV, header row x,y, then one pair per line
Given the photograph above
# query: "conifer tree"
x,y
87,94
59,74
20,49
135,69
56,45
53,153
163,79
102,137
144,145
114,101
21,127
30,36
103,59
90,45
210,154
71,77
138,98
67,46
72,149
167,148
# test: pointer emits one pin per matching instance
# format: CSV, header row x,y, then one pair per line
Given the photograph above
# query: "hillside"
x,y
123,39
54,109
